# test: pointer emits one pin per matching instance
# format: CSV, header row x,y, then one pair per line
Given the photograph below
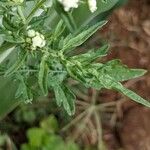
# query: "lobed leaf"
x,y
92,55
64,96
110,83
133,96
23,90
120,72
59,94
70,100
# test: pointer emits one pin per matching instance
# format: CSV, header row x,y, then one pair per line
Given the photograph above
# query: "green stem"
x,y
67,17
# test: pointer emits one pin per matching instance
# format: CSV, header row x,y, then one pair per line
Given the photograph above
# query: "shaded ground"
x,y
129,34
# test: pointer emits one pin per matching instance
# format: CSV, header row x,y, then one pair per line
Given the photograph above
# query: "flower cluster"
x,y
92,5
37,39
68,4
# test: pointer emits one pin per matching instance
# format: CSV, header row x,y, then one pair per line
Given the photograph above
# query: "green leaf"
x,y
50,124
7,96
35,136
59,94
7,24
6,46
59,29
133,95
43,75
70,100
17,39
17,65
75,73
82,37
66,16
110,83
64,96
87,17
120,72
71,146
23,92
94,84
92,55
5,53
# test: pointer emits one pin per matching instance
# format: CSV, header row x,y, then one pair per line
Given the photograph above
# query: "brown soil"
x,y
129,34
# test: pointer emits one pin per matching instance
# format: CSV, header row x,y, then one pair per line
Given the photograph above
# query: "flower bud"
x,y
37,39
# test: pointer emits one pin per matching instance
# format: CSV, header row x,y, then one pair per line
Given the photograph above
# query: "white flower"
x,y
68,4
37,39
31,33
92,5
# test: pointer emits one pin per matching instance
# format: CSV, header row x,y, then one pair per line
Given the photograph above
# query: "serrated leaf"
x,y
43,76
110,83
120,72
94,84
64,96
23,90
70,100
75,73
17,65
82,37
59,94
92,55
133,96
